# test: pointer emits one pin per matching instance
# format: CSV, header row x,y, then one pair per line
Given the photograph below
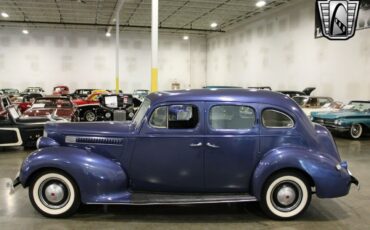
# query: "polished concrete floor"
x,y
350,212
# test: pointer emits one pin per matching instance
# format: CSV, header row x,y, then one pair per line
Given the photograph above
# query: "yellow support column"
x,y
154,80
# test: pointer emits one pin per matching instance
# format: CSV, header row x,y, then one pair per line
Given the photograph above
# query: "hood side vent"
x,y
94,140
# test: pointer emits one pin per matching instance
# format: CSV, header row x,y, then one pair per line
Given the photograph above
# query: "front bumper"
x,y
15,183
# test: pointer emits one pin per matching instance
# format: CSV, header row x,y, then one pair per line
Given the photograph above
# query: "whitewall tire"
x,y
285,195
54,194
356,131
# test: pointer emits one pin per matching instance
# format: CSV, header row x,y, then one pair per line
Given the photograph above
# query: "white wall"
x,y
279,50
86,59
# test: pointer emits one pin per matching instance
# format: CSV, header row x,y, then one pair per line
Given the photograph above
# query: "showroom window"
x,y
175,117
275,119
232,117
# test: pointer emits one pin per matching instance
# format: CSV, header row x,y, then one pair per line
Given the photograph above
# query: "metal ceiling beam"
x,y
108,25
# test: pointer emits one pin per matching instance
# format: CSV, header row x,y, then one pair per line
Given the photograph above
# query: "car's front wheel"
x,y
285,195
356,131
54,194
89,116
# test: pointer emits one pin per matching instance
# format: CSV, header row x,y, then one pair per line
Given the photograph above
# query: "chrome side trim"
x,y
94,140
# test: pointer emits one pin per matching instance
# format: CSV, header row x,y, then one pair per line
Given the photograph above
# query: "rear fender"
x,y
95,175
318,167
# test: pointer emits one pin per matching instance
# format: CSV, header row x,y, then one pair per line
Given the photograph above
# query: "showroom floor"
x,y
350,212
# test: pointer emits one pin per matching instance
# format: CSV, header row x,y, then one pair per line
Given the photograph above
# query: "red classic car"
x,y
58,107
61,90
25,102
92,99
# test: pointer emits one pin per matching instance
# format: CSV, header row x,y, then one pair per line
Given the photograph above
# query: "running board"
x,y
176,199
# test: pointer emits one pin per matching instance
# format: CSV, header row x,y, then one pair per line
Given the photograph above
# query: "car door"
x,y
168,154
231,146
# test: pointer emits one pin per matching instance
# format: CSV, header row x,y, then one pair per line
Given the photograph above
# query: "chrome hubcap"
x,y
54,193
286,196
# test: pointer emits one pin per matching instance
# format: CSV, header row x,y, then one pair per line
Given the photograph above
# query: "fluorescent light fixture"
x,y
25,31
261,3
214,24
185,37
107,34
4,15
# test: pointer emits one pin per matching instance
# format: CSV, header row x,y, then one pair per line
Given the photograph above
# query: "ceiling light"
x,y
185,37
4,15
261,3
25,31
214,25
107,34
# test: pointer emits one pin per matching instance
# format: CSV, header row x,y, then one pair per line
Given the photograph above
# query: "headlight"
x,y
337,122
108,115
131,115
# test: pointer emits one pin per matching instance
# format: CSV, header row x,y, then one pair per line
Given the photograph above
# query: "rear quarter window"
x,y
272,118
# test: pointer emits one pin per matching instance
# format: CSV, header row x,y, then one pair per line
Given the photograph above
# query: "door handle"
x,y
212,145
196,145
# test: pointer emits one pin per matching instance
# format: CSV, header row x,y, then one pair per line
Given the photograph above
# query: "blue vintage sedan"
x,y
189,147
353,119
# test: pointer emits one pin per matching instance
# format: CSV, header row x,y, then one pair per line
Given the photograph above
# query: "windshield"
x,y
358,106
52,103
142,111
300,100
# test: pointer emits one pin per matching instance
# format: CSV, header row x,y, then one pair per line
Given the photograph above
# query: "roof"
x,y
224,95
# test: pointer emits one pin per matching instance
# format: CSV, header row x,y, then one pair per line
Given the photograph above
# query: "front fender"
x,y
95,175
321,168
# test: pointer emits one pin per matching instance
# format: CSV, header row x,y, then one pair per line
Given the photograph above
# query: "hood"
x,y
308,90
96,129
338,114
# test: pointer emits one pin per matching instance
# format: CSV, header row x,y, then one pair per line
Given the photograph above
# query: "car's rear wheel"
x,y
356,131
89,116
54,194
285,195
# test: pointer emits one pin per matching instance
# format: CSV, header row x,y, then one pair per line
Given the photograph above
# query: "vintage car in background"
x,y
260,88
215,87
81,93
140,94
19,131
353,119
61,90
111,107
56,106
4,103
31,90
10,92
310,104
25,102
92,99
292,93
189,147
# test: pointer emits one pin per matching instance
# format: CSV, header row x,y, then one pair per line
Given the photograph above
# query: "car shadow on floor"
x,y
206,213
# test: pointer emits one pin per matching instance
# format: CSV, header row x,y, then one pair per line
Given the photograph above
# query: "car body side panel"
x,y
318,166
98,178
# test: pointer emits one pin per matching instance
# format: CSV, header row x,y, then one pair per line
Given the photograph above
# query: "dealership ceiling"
x,y
174,15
